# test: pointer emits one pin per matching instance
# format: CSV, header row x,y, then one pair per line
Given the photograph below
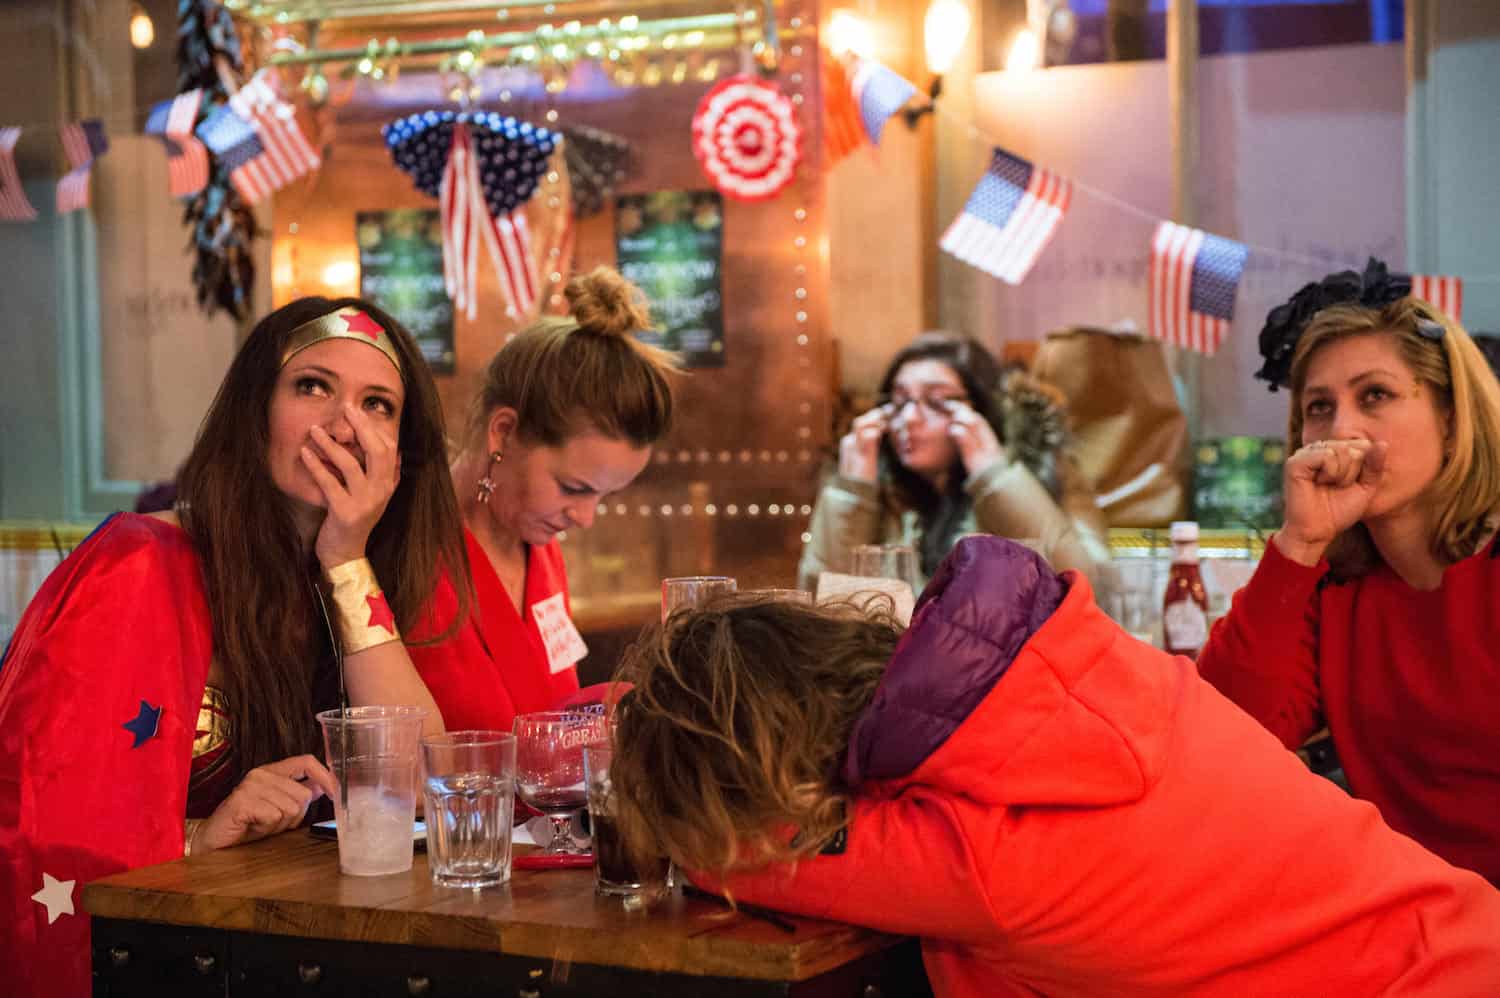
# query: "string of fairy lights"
x,y
633,52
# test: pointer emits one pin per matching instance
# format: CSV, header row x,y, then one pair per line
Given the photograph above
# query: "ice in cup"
x,y
614,874
372,752
469,783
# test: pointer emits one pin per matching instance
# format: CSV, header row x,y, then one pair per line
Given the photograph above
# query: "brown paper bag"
x,y
1129,433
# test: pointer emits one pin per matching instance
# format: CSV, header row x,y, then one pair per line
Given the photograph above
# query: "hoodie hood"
x,y
1008,688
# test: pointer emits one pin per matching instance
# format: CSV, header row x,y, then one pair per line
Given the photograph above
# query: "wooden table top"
x,y
290,885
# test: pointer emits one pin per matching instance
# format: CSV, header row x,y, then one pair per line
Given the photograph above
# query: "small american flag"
x,y
14,205
82,141
1194,276
257,139
1009,218
880,93
467,222
187,160
1447,293
234,143
843,130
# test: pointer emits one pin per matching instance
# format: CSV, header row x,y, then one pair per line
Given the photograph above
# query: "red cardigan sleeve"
x,y
1263,653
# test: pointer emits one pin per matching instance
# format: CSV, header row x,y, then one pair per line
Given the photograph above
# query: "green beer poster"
x,y
1237,482
669,244
401,270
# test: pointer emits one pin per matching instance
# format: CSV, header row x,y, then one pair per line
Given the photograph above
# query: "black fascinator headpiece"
x,y
1375,288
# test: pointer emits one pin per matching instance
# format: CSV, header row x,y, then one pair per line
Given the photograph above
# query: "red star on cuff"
x,y
360,322
380,613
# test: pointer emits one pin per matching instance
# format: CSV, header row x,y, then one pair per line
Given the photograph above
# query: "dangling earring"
x,y
487,484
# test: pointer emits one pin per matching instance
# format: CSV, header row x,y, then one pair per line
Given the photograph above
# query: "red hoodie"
x,y
1094,819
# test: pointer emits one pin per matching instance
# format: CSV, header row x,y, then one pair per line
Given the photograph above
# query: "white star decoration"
x,y
57,895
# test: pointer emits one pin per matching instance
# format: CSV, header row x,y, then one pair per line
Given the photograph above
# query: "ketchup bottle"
x,y
1184,610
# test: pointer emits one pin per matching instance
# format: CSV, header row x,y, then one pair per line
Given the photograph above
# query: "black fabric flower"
x,y
1375,288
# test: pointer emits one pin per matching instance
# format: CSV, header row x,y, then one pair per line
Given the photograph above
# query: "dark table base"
x,y
135,959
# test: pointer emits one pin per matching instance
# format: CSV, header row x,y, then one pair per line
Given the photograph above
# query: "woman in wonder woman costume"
x,y
158,697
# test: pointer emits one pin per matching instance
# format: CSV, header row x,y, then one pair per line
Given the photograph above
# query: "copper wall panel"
x,y
752,434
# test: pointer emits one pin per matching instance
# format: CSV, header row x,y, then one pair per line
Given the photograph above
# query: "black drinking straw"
x,y
338,661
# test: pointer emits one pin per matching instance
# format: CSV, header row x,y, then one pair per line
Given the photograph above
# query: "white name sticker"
x,y
563,642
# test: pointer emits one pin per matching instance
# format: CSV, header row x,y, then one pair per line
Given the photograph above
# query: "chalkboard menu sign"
x,y
669,244
401,270
1237,482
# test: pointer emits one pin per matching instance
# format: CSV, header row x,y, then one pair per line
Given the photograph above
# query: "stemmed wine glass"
x,y
549,767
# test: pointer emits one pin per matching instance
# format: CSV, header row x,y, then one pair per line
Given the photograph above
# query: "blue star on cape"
x,y
512,153
143,726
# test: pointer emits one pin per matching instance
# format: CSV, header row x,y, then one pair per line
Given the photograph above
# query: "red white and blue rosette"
x,y
746,138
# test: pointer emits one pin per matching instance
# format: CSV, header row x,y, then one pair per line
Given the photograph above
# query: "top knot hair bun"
x,y
605,303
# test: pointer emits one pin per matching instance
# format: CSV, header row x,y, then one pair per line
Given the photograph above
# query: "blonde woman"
x,y
567,414
1374,608
1054,808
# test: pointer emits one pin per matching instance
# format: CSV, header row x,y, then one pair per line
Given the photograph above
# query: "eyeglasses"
x,y
934,404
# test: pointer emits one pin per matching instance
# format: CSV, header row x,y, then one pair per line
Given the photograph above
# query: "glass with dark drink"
x,y
614,874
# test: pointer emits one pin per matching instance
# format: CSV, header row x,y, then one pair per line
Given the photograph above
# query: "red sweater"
x,y
1408,683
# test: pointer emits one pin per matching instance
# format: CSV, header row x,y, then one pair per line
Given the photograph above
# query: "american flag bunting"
x,y
187,159
1008,220
880,92
257,139
843,129
467,223
1447,293
14,205
1194,276
83,142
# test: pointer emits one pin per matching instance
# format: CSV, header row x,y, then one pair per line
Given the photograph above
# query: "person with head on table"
x,y
1373,610
958,445
567,414
1053,807
158,696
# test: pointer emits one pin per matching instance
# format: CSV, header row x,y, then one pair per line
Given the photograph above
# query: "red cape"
x,y
123,620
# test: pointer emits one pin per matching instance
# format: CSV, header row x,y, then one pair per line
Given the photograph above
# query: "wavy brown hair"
x,y
982,376
565,375
1466,492
734,733
268,635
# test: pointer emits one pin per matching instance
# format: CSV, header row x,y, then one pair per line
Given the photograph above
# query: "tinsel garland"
x,y
221,224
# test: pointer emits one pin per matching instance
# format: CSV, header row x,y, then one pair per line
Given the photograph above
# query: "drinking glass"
x,y
691,590
549,766
614,874
469,780
885,561
372,752
785,595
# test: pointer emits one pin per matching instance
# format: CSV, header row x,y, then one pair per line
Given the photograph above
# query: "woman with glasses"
x,y
958,445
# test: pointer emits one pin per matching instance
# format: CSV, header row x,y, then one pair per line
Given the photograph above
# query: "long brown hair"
x,y
981,375
736,727
268,635
1466,492
584,371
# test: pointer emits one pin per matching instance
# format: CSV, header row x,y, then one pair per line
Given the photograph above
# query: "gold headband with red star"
x,y
347,323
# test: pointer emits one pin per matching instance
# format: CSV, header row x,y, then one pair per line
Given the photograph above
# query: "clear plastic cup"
x,y
469,783
372,752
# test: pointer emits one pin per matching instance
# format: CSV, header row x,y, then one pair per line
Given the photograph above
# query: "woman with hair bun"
x,y
567,414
